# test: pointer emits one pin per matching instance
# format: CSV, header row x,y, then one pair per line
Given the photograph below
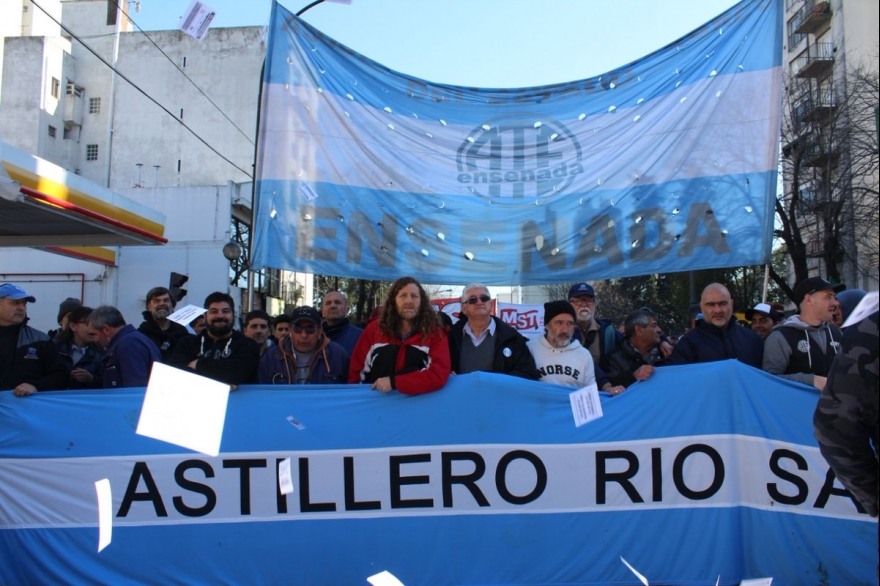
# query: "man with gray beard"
x,y
157,327
597,335
559,357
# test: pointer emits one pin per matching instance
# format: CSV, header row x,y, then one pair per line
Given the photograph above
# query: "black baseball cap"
x,y
814,285
580,289
305,313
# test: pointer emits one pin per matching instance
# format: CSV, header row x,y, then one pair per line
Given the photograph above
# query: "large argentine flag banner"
x,y
666,164
701,471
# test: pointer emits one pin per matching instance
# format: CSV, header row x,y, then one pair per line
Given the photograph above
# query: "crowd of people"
x,y
411,348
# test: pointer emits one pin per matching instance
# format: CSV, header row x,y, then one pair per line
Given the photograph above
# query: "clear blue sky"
x,y
485,43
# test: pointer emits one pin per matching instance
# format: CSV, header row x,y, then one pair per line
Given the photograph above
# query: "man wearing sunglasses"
x,y
481,341
305,356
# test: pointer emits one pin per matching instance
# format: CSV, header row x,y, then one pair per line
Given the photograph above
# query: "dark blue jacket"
x,y
33,360
165,340
128,360
511,354
91,362
344,333
708,343
329,365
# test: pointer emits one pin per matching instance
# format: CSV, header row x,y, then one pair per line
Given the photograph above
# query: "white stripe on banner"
x,y
708,129
664,165
716,471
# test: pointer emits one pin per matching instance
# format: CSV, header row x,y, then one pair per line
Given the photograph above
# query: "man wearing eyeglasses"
x,y
305,355
802,347
597,335
219,352
482,342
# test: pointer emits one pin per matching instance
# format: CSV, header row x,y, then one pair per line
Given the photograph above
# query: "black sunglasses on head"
x,y
474,300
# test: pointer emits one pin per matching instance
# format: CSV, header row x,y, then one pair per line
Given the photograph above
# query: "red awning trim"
x,y
38,195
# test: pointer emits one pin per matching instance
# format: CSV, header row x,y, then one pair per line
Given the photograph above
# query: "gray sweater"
x,y
810,355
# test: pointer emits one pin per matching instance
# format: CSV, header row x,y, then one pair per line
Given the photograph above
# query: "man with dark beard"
x,y
219,352
157,327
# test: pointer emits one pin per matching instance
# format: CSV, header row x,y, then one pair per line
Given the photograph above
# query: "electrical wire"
x,y
170,60
138,88
312,5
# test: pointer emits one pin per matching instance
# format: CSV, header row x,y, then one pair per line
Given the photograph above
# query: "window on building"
x,y
91,152
794,38
56,88
94,105
74,90
52,131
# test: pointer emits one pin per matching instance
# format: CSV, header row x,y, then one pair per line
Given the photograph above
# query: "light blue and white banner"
x,y
701,471
666,164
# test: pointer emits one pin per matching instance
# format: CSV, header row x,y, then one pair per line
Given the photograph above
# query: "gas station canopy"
x,y
44,206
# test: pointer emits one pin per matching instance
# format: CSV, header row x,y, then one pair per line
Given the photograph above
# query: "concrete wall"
x,y
28,108
35,21
226,66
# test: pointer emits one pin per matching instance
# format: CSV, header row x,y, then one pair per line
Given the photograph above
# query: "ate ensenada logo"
x,y
518,156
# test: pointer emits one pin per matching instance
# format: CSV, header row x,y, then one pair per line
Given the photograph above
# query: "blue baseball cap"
x,y
580,289
15,292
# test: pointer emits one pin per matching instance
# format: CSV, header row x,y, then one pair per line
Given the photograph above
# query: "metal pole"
x,y
110,110
766,283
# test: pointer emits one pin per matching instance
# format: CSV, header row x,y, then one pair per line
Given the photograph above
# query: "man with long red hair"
x,y
406,348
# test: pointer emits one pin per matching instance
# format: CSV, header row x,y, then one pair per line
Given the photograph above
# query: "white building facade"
x,y
173,129
828,154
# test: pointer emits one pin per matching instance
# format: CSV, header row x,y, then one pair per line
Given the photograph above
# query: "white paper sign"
x,y
295,422
384,578
184,409
285,482
105,513
868,305
757,582
185,315
196,20
585,405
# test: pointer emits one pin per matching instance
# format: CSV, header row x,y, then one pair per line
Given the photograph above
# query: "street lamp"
x,y
232,251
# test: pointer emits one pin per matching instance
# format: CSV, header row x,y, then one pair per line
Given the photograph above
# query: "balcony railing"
x,y
813,16
814,108
820,154
817,60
